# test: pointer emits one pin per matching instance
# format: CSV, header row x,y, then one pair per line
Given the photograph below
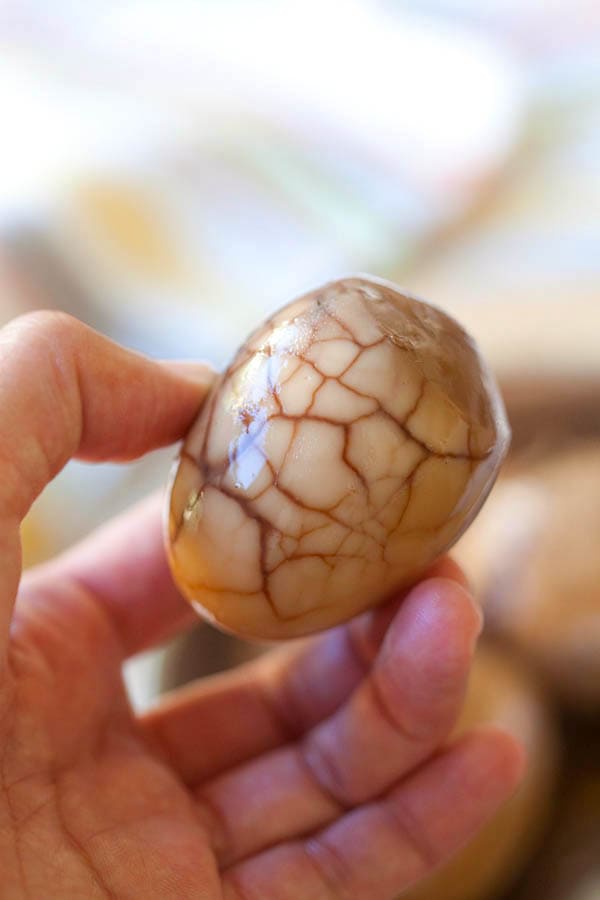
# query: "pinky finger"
x,y
378,850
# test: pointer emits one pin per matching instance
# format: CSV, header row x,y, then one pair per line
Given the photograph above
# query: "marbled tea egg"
x,y
351,441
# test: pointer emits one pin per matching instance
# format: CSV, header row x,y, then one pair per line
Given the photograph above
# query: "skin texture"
x,y
350,442
321,771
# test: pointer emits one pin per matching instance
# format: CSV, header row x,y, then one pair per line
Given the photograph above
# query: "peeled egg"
x,y
351,441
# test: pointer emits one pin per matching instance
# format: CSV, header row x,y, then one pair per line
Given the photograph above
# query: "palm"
x,y
95,811
103,804
316,773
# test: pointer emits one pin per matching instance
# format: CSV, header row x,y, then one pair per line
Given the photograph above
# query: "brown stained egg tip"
x,y
351,441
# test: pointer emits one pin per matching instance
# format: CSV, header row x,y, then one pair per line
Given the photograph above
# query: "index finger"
x,y
67,391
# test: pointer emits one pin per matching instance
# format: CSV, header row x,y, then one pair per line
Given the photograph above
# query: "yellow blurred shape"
x,y
35,541
124,219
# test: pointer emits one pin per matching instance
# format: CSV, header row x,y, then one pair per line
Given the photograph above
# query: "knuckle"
x,y
386,700
412,834
326,771
217,826
334,870
416,723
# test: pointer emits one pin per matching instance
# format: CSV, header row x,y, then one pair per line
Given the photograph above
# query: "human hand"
x,y
319,771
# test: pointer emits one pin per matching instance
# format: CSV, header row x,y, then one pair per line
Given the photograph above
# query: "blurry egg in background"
x,y
535,558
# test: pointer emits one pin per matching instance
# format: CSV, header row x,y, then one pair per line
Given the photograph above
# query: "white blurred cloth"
x,y
255,148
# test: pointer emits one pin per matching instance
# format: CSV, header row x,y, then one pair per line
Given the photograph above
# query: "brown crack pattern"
x,y
351,441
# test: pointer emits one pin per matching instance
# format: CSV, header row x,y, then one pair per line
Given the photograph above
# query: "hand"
x,y
319,771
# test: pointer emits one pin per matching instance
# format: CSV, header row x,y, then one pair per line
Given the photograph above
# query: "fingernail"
x,y
450,568
466,580
479,619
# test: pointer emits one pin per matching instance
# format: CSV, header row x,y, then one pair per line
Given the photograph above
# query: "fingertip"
x,y
512,756
462,788
200,374
460,604
440,615
426,657
497,756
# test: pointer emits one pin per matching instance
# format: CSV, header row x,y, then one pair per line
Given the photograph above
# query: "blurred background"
x,y
173,171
